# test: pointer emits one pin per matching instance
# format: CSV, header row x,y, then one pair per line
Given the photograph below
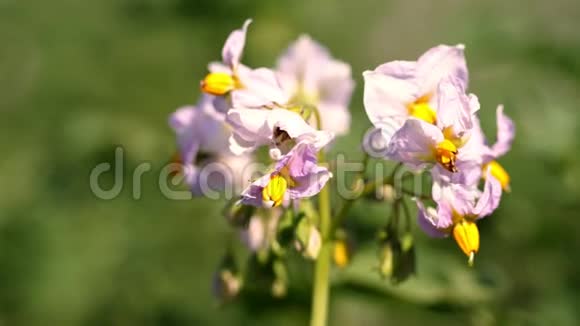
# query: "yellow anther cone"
x,y
275,190
445,154
218,83
423,111
466,235
498,172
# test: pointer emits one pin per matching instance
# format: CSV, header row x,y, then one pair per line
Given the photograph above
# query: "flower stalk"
x,y
321,287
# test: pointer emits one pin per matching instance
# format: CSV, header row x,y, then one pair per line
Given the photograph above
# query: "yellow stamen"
x,y
466,235
446,154
341,254
423,111
275,190
498,172
219,83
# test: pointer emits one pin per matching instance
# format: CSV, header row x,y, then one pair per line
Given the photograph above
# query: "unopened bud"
x,y
405,266
397,257
226,282
226,285
341,253
308,239
387,193
280,284
279,288
387,253
255,235
314,244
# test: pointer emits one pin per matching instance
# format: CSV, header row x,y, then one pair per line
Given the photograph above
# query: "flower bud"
x,y
314,244
405,266
341,253
226,282
387,193
342,249
308,239
226,285
279,288
280,284
255,235
387,253
397,257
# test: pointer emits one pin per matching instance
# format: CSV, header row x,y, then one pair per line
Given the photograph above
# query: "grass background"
x,y
78,78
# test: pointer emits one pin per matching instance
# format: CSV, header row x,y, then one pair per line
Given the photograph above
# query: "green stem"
x,y
318,118
412,194
320,291
407,216
321,286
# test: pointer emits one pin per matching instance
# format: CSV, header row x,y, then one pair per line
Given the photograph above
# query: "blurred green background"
x,y
78,78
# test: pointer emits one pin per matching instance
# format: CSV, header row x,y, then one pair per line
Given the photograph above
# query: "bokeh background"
x,y
78,78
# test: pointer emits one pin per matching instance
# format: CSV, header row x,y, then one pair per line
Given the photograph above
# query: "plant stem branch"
x,y
321,286
412,194
369,188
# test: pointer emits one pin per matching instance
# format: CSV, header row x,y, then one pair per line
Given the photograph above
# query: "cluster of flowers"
x,y
295,110
242,109
430,122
